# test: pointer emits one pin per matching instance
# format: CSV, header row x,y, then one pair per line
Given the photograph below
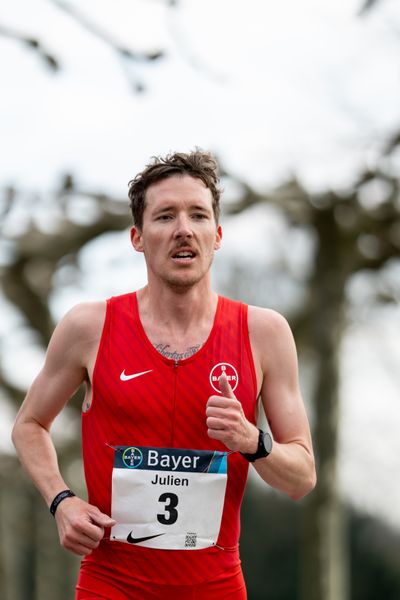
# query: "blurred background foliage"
x,y
318,549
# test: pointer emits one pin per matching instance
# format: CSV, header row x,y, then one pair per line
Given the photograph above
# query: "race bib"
x,y
168,498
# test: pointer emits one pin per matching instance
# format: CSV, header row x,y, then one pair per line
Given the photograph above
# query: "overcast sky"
x,y
275,88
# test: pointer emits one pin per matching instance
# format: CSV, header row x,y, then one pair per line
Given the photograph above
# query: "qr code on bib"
x,y
191,540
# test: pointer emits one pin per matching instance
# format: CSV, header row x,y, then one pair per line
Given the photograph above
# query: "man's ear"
x,y
218,238
136,239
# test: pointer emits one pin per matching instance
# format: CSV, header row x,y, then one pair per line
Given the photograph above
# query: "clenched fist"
x,y
80,525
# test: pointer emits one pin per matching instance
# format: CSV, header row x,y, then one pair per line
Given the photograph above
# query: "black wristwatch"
x,y
264,447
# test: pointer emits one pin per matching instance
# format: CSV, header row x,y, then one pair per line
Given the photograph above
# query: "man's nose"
x,y
183,228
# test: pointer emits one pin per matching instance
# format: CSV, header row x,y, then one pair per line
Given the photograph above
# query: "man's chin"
x,y
183,283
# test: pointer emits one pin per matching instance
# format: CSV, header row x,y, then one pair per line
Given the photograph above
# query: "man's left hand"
x,y
227,422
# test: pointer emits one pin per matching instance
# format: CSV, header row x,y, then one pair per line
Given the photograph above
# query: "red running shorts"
x,y
227,587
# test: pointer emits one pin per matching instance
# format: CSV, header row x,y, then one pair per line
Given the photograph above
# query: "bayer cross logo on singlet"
x,y
230,372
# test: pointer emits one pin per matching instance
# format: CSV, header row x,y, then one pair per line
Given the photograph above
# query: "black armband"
x,y
59,498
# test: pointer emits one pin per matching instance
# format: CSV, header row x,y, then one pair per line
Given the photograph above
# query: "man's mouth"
x,y
184,255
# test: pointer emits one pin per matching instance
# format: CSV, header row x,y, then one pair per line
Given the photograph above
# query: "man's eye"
x,y
199,216
164,217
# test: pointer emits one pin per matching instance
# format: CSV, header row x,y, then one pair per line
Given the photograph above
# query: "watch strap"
x,y
261,451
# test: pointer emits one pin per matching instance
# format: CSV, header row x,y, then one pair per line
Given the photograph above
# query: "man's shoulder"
x,y
262,321
267,319
75,336
86,312
85,319
268,329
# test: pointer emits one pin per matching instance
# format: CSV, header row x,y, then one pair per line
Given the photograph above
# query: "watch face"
x,y
267,439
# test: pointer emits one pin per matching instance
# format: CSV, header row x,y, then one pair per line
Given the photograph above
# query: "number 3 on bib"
x,y
170,508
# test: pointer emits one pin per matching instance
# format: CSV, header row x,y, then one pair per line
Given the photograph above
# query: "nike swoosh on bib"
x,y
133,540
124,377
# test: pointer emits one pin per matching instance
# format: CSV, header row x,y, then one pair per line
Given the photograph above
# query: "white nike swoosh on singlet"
x,y
124,377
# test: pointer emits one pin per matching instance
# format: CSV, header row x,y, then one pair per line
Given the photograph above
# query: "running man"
x,y
173,373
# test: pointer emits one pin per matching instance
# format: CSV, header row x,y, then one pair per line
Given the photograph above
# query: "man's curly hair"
x,y
198,164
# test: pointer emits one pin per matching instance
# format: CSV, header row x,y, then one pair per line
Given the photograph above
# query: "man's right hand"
x,y
80,525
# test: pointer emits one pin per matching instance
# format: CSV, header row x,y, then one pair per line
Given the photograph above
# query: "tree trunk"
x,y
18,534
324,551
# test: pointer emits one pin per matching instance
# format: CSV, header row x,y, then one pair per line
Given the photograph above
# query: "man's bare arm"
x,y
80,525
290,466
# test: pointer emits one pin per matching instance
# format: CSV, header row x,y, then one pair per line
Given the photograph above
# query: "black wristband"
x,y
59,498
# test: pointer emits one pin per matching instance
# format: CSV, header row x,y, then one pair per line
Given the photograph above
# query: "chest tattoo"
x,y
166,351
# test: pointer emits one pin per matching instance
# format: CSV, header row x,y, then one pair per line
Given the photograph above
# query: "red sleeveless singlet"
x,y
141,398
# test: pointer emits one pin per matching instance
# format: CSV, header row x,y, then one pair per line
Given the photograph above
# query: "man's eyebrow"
x,y
168,208
160,209
201,208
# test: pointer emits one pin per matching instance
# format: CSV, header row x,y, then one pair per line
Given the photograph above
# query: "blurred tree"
x,y
354,231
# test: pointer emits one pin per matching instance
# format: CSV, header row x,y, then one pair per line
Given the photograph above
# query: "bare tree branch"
x,y
124,54
33,44
392,144
367,6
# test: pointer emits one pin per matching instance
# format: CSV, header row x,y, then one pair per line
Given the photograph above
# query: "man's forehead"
x,y
178,188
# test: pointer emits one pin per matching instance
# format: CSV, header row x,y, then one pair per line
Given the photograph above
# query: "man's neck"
x,y
185,316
